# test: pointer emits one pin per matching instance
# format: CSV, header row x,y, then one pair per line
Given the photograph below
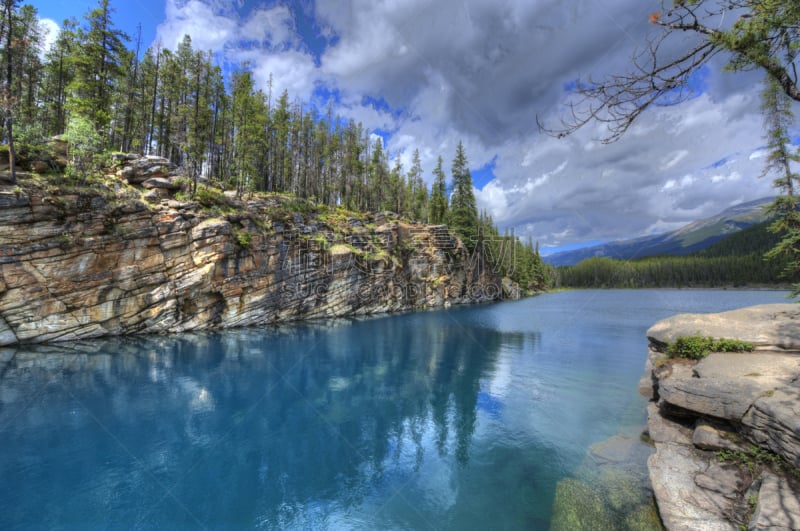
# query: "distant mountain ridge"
x,y
691,238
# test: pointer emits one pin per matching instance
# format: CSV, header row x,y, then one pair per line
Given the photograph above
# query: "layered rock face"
x,y
83,265
727,428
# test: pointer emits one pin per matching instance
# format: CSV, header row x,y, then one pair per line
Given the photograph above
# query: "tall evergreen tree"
x,y
378,175
281,120
248,113
27,66
8,99
778,117
58,74
418,191
98,66
463,207
395,198
438,202
20,38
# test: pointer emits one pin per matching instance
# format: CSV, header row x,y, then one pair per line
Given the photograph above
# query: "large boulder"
x,y
725,385
768,326
140,170
162,182
740,405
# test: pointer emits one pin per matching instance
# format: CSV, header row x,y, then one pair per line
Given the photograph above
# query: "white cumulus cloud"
x,y
482,72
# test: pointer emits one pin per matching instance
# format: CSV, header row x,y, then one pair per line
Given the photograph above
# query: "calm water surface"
x,y
455,419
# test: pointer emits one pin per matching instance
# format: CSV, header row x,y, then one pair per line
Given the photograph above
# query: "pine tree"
x,y
438,202
463,207
378,175
98,66
778,118
27,65
417,190
8,100
395,199
249,118
281,118
58,74
20,37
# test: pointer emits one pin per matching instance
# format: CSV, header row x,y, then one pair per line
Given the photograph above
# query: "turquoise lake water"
x,y
464,418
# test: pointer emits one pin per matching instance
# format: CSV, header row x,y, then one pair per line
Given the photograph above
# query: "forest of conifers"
x,y
179,105
93,88
223,129
738,260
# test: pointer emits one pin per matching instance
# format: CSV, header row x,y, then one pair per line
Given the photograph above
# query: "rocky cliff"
x,y
727,428
113,259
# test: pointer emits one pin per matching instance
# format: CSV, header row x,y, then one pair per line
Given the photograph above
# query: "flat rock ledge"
x,y
726,429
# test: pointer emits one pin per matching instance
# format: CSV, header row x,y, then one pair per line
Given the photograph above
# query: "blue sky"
x,y
427,73
129,13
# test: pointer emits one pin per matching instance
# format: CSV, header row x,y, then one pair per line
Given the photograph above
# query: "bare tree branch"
x,y
757,36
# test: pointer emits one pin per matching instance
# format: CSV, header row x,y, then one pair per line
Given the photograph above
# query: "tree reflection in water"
x,y
252,427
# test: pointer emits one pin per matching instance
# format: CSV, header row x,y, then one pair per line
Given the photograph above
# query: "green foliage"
x,y
509,257
84,144
762,37
778,118
738,260
184,182
302,206
691,347
97,63
463,216
732,345
416,190
438,204
754,240
209,197
29,134
752,459
787,227
321,241
243,238
697,347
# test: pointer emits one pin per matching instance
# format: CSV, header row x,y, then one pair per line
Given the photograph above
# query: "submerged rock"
x,y
608,491
579,506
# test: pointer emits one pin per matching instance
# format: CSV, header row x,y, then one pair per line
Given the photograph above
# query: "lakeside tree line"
x,y
738,260
228,132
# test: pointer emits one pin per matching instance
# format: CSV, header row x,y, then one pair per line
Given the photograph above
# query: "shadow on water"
x,y
284,428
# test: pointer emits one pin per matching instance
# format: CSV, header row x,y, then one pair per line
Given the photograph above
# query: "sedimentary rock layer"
x,y
83,265
727,428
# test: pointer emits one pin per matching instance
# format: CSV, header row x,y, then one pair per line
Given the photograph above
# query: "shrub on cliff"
x,y
84,144
697,347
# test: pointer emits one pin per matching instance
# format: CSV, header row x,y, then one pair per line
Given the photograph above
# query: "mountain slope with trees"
x,y
738,260
691,238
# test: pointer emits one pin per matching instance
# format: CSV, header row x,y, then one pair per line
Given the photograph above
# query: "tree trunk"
x,y
12,156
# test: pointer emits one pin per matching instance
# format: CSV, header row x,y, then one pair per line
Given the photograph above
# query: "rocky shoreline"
x,y
133,257
726,429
